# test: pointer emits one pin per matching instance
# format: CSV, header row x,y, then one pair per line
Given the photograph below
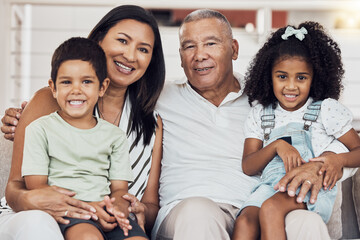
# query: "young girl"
x,y
296,79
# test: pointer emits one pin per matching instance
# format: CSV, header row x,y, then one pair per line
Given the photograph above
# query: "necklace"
x,y
102,115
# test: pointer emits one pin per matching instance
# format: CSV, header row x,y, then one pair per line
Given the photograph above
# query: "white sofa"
x,y
343,223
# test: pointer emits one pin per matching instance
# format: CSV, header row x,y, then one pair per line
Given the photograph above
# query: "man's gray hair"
x,y
207,13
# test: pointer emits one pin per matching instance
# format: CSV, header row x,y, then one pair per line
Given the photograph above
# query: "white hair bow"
x,y
299,33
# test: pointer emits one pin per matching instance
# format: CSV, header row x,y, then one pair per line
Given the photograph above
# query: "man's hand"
x,y
305,176
10,121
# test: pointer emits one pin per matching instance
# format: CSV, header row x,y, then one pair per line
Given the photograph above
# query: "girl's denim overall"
x,y
299,136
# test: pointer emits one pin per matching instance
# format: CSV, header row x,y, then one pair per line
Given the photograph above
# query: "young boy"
x,y
73,149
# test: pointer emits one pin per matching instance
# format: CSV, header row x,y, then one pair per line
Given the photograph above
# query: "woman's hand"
x,y
10,121
138,208
59,203
290,155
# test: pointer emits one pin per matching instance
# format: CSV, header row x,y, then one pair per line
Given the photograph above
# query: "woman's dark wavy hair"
x,y
317,48
144,93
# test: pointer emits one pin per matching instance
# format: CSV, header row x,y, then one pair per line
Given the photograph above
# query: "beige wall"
x,y
52,25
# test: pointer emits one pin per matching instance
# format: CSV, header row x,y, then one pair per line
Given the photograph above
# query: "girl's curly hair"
x,y
317,48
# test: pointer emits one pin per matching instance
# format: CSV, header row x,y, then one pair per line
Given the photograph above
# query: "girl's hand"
x,y
106,220
138,208
332,169
288,154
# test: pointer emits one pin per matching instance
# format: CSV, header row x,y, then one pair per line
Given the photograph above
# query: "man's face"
x,y
207,51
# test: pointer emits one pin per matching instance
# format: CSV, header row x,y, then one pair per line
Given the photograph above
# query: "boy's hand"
x,y
118,213
332,169
288,154
106,220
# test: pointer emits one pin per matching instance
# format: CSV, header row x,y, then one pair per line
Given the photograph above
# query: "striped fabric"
x,y
3,206
140,155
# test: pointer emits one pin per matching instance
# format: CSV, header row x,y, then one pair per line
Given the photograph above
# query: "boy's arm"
x,y
118,189
120,208
36,181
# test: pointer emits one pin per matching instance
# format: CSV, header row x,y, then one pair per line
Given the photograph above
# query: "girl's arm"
x,y
334,163
53,200
255,157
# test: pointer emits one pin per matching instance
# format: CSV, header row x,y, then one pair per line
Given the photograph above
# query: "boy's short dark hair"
x,y
78,48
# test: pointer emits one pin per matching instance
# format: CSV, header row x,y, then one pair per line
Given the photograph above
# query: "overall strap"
x,y
311,114
267,120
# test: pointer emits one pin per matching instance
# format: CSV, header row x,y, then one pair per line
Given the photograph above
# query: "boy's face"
x,y
77,90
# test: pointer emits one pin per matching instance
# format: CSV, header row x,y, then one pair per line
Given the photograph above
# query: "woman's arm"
x,y
151,194
53,200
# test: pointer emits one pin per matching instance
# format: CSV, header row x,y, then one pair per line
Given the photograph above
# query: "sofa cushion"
x,y
334,225
5,162
356,195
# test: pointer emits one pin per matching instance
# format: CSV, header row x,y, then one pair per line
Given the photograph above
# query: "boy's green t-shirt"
x,y
81,160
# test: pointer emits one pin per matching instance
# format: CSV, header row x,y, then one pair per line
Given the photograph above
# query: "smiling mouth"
x,y
202,69
129,69
290,95
76,102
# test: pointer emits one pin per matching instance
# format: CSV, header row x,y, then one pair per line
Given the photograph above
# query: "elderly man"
x,y
202,185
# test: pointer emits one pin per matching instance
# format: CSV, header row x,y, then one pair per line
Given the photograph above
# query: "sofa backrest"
x,y
5,162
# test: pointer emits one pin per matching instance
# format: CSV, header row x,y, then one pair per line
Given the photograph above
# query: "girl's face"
x,y
128,46
292,79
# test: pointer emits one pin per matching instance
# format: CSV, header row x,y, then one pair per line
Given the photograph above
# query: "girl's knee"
x,y
249,218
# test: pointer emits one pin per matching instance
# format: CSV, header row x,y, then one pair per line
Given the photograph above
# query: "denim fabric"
x,y
274,171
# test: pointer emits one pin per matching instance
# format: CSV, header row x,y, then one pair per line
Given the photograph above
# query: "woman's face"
x,y
128,46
